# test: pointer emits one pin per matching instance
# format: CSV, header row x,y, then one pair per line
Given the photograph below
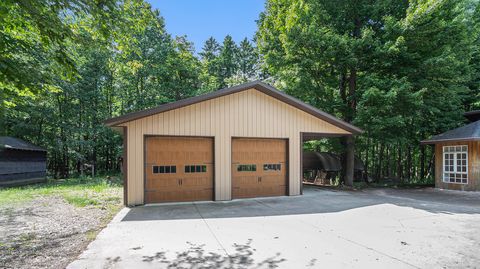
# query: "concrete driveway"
x,y
377,228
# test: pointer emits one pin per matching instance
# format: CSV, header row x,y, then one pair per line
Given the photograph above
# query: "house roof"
x,y
258,85
469,132
473,115
7,142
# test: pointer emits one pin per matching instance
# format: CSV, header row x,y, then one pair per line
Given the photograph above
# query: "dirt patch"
x,y
47,232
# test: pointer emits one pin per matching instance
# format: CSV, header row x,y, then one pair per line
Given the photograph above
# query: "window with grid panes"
x,y
455,164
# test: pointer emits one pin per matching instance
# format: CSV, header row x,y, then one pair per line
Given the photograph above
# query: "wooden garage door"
x,y
178,169
259,167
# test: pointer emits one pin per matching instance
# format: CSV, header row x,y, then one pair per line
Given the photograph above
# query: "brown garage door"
x,y
178,169
259,167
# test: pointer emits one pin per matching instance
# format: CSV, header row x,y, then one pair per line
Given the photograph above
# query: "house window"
x,y
195,168
246,167
272,167
164,169
455,164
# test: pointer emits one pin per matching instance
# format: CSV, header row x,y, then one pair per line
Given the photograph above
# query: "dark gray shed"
x,y
21,162
327,161
324,161
330,163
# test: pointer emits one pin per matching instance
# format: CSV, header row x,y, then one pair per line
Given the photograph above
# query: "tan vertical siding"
x,y
249,113
473,166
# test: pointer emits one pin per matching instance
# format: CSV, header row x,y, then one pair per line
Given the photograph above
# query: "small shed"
x,y
21,162
329,163
457,156
324,161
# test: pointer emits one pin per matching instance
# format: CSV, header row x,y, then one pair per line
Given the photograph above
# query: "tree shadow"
x,y
197,257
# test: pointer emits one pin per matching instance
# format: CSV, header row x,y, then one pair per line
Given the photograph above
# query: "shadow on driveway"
x,y
241,258
314,201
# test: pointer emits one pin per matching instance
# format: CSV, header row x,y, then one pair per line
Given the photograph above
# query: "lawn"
x,y
82,191
49,224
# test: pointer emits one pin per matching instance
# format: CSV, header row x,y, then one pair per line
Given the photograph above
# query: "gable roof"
x,y
258,85
7,142
469,132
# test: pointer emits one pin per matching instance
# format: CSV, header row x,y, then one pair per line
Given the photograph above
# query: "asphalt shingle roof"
x,y
468,132
7,142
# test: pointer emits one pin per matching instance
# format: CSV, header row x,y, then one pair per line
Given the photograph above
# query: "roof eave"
x,y
436,141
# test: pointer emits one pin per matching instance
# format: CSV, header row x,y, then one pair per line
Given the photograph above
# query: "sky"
x,y
200,19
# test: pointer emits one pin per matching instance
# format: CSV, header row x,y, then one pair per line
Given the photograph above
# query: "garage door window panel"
x,y
272,167
195,169
246,167
164,169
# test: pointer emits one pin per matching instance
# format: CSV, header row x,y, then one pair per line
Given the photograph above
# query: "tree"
x,y
137,66
247,60
210,74
33,47
227,61
344,56
210,51
143,54
229,64
184,70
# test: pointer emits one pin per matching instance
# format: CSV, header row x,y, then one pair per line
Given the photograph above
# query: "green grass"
x,y
81,191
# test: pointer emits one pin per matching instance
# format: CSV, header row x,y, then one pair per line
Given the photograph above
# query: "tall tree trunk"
x,y
386,173
367,154
352,87
380,162
422,162
349,159
408,169
342,88
431,164
399,163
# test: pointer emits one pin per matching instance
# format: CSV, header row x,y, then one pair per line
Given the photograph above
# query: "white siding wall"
x,y
249,113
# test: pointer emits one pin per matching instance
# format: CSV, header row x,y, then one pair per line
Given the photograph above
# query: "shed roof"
x,y
258,85
321,160
469,132
473,115
7,142
327,161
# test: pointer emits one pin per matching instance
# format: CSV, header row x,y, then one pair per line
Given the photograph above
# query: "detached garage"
x,y
240,142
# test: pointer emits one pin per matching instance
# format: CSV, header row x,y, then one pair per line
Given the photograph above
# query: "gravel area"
x,y
47,232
